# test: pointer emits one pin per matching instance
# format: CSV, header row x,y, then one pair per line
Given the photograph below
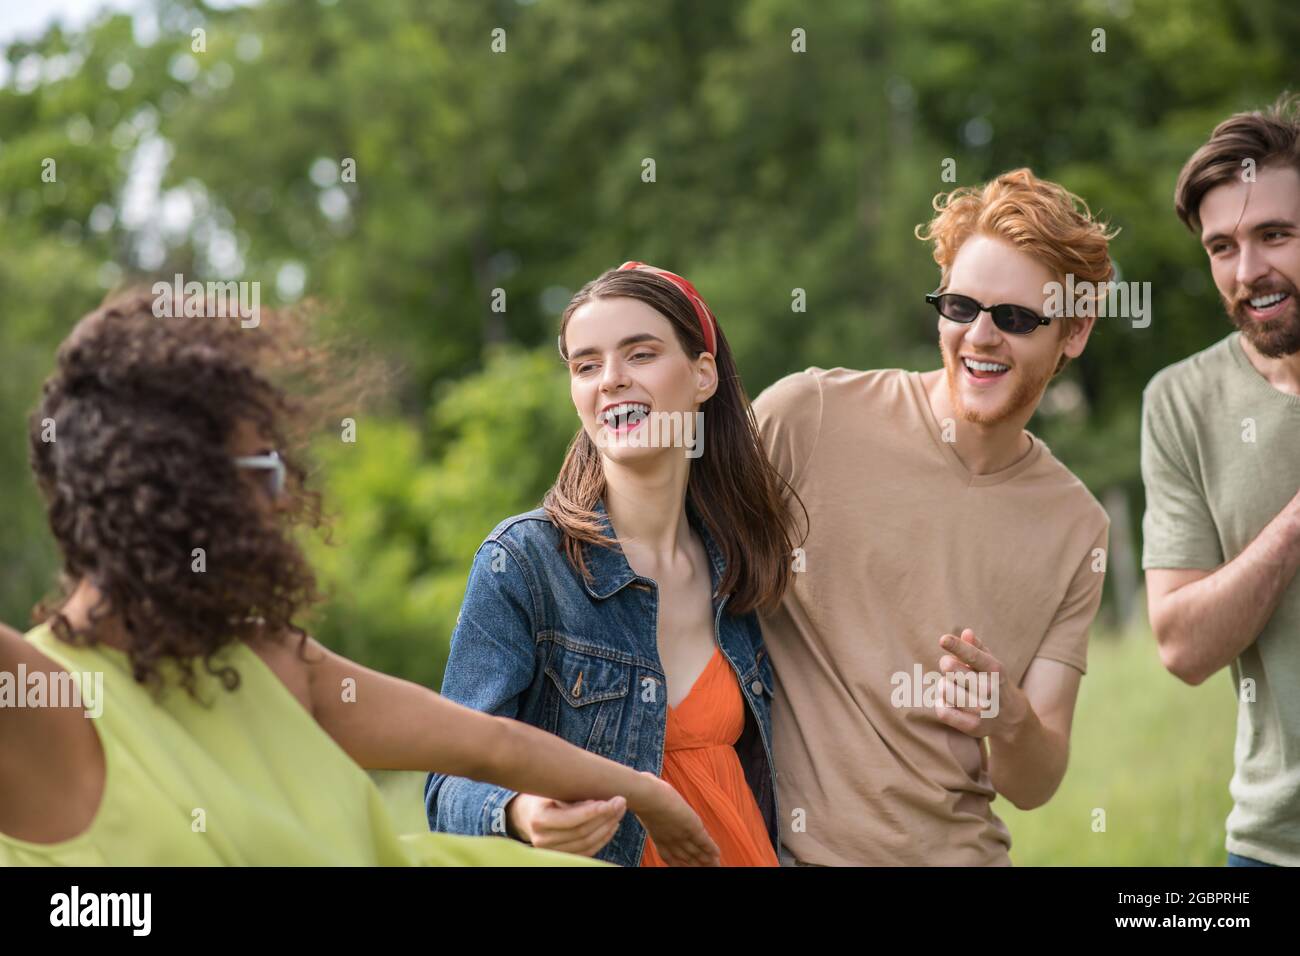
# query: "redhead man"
x,y
947,551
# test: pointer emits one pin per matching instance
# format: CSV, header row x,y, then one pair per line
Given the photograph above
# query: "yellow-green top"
x,y
244,777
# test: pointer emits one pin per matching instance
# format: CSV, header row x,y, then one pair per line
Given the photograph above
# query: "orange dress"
x,y
701,763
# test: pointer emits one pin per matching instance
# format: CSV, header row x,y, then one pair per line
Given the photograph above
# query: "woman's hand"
x,y
582,827
585,827
679,835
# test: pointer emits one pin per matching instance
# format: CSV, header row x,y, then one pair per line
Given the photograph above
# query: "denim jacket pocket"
x,y
587,698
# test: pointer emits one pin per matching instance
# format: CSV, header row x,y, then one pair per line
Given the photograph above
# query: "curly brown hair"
x,y
139,474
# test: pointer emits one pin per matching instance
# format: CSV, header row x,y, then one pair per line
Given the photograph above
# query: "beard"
x,y
1278,336
1027,389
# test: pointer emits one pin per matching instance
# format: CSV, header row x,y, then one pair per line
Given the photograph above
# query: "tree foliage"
x,y
520,173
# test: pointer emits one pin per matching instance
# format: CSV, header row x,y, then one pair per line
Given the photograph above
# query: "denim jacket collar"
x,y
610,571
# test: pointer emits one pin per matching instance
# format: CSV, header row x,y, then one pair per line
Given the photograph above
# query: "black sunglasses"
x,y
1015,319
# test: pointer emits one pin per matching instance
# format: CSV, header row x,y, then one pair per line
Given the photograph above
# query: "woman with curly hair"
x,y
165,450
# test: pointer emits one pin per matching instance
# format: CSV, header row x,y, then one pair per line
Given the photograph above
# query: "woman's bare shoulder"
x,y
289,657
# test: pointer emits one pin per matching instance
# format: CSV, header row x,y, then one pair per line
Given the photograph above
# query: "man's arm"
x,y
1204,610
1028,761
1203,619
1029,732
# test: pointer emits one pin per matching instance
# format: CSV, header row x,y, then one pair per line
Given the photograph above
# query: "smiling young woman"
x,y
620,615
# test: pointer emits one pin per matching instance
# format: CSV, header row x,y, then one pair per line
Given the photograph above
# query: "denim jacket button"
x,y
756,688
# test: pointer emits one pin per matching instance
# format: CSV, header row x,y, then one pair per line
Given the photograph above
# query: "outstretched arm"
x,y
384,722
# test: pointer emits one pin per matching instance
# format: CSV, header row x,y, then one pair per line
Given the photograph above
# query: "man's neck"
x,y
1283,372
983,449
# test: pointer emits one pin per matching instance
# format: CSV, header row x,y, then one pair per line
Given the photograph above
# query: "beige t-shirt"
x,y
905,545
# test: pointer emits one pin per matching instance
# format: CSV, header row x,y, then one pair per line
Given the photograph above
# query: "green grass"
x,y
1153,753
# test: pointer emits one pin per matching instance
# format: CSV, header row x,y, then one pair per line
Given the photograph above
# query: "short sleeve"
x,y
1177,528
789,414
1066,639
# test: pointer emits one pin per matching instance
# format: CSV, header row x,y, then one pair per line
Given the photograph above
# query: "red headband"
x,y
702,312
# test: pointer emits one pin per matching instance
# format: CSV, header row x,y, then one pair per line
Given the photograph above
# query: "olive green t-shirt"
x,y
1220,459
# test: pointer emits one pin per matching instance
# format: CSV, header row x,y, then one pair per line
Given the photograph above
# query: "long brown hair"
x,y
732,486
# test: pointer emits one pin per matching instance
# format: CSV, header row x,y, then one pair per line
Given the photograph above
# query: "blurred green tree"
x,y
499,150
410,507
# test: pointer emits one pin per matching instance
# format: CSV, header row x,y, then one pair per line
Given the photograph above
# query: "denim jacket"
x,y
580,659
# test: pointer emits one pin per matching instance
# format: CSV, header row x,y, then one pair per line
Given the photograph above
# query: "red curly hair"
x,y
1040,218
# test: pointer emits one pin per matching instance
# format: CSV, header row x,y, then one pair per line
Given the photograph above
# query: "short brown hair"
x,y
1265,136
1041,218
